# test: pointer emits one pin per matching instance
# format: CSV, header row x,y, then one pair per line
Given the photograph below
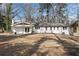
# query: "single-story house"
x,y
21,28
75,28
28,28
52,28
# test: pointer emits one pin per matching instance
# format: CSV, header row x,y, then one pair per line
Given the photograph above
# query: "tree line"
x,y
46,12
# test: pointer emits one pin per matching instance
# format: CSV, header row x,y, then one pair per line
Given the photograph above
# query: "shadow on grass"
x,y
22,49
4,38
25,49
75,38
9,50
70,48
35,47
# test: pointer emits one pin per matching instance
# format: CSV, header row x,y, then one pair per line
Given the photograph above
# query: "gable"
x,y
22,23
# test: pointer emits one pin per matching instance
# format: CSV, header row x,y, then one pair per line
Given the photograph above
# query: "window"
x,y
27,29
57,28
64,28
54,28
46,28
50,28
37,27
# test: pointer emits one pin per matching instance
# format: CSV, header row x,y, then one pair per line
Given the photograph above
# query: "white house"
x,y
52,28
21,28
28,28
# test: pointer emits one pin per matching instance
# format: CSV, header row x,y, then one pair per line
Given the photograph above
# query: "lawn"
x,y
38,45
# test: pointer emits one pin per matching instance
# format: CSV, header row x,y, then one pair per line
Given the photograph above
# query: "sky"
x,y
72,9
20,6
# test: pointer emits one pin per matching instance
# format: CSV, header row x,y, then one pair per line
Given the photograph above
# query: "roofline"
x,y
53,26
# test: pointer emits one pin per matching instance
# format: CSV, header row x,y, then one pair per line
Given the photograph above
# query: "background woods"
x,y
43,12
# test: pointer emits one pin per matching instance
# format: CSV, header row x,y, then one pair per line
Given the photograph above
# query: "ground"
x,y
38,45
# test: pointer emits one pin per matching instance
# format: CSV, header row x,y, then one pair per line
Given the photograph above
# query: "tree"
x,y
45,6
2,24
9,13
59,12
62,14
28,12
7,20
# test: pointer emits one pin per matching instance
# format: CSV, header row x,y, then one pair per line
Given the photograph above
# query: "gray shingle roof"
x,y
51,24
24,23
21,24
75,23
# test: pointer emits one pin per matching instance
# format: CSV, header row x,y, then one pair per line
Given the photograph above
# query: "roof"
x,y
22,24
44,24
75,22
51,24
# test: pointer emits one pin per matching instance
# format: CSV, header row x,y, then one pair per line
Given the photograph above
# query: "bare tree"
x,y
28,12
59,12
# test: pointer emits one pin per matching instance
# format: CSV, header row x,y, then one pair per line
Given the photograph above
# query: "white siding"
x,y
59,30
20,30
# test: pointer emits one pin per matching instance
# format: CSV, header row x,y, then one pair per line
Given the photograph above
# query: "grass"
x,y
27,45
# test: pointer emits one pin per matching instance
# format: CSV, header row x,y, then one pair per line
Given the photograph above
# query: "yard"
x,y
39,44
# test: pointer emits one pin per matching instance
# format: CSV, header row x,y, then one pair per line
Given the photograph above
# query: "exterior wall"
x,y
76,29
66,31
59,30
21,30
